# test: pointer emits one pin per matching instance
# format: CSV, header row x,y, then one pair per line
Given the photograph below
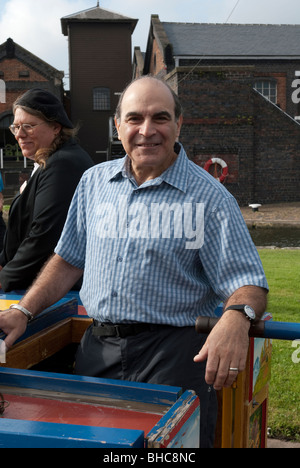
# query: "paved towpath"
x,y
279,214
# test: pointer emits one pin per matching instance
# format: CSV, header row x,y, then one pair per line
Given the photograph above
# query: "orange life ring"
x,y
222,164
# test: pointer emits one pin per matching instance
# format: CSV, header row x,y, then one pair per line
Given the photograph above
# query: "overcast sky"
x,y
35,24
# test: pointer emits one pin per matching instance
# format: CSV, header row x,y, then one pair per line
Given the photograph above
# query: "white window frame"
x,y
268,88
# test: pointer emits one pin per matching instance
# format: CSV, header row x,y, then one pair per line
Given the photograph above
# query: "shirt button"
x,y
120,259
114,294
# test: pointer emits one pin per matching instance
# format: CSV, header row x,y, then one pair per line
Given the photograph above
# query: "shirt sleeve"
x,y
72,243
229,256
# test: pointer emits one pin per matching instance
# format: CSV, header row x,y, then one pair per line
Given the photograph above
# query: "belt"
x,y
122,330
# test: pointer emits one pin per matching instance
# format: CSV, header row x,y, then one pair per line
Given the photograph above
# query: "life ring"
x,y
222,164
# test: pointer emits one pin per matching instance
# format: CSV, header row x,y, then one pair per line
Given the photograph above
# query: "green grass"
x,y
282,268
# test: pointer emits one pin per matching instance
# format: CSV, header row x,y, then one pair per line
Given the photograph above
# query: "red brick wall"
x,y
225,118
157,65
11,69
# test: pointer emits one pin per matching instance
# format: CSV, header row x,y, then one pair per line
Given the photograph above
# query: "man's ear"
x,y
179,125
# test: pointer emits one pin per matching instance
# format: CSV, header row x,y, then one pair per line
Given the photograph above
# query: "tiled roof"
x,y
12,49
234,40
95,15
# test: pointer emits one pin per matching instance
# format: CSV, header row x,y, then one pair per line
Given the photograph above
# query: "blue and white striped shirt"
x,y
163,252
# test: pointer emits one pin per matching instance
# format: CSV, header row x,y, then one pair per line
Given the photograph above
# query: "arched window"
x,y
101,99
268,88
6,121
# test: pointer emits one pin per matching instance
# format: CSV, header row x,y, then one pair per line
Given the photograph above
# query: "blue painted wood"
x,y
59,311
282,330
33,434
17,433
17,295
91,386
188,434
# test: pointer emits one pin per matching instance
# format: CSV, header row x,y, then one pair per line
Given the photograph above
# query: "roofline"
x,y
33,61
234,24
158,32
236,57
74,19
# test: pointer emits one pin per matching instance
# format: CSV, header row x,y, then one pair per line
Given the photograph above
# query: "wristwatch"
x,y
247,310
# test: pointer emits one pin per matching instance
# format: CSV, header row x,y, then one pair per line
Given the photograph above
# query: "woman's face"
x,y
40,136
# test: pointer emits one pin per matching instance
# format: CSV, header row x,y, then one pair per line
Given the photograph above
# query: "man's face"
x,y
148,128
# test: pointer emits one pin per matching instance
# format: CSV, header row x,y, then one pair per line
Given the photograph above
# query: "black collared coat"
x,y
37,216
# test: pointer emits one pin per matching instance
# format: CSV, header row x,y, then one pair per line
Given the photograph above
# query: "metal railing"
x,y
10,154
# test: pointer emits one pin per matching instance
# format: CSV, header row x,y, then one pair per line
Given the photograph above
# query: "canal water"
x,y
277,237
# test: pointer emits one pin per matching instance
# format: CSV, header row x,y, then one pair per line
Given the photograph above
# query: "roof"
x,y
233,40
11,49
95,15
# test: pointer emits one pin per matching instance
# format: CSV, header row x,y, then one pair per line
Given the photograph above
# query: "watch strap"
x,y
236,307
242,309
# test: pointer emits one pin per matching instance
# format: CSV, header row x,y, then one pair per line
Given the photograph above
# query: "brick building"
x,y
100,63
20,70
236,84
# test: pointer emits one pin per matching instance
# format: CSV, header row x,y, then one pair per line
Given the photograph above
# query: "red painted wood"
x,y
84,414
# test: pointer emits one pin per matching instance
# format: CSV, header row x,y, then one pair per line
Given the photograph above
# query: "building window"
x,y
268,89
24,74
101,99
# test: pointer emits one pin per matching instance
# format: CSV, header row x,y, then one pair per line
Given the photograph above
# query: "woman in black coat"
x,y
37,214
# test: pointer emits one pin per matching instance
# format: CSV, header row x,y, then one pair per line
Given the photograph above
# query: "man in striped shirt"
x,y
160,242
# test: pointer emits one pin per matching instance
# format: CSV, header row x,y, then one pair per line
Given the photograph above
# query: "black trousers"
x,y
162,357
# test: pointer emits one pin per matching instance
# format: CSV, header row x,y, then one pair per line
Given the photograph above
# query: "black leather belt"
x,y
122,330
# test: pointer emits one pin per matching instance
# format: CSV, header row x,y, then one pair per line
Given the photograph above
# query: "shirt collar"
x,y
176,175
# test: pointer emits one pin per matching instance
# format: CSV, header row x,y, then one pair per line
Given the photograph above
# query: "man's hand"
x,y
57,272
226,347
13,323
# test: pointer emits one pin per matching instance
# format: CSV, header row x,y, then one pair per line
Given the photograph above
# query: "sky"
x,y
35,24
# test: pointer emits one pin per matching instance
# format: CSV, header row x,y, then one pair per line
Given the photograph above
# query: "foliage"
x,y
282,268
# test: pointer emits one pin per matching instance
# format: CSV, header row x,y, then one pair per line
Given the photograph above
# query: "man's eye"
x,y
134,119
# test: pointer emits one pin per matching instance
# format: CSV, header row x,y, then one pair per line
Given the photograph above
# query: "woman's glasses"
x,y
27,128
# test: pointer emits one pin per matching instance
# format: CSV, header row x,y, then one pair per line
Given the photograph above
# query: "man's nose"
x,y
147,128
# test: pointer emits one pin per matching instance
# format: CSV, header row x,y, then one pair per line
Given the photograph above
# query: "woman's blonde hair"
x,y
64,135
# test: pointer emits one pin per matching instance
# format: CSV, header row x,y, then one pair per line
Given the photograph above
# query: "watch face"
x,y
250,312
